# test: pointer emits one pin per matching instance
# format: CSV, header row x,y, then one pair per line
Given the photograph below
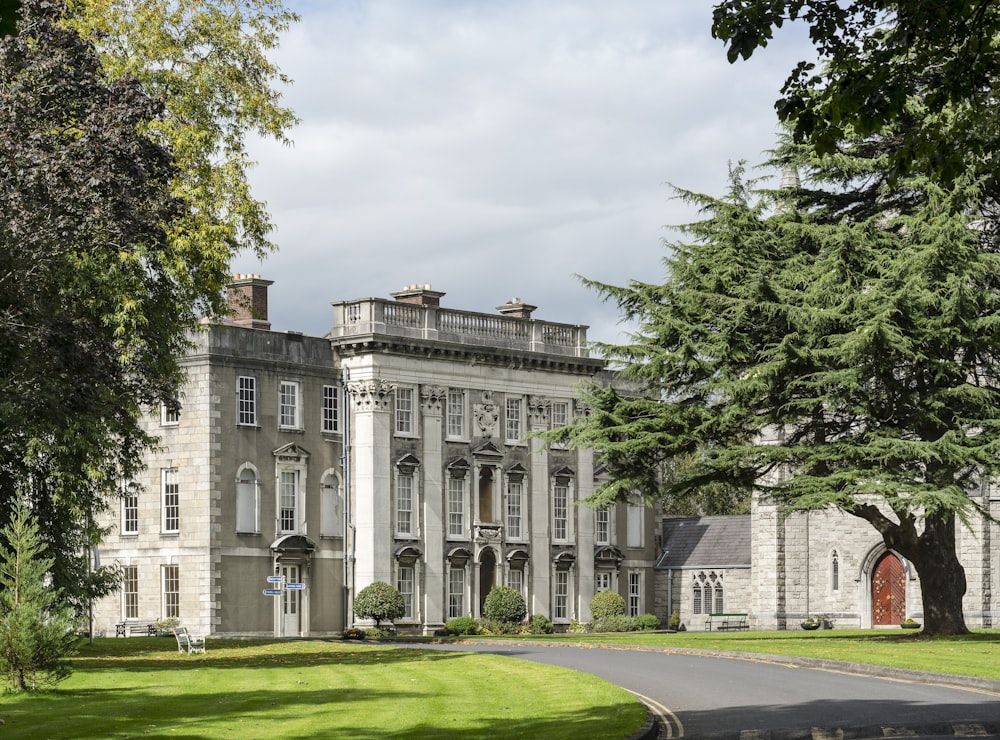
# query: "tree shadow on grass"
x,y
154,654
327,713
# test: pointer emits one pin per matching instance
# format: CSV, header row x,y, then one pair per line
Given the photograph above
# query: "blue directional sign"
x,y
295,586
275,579
272,592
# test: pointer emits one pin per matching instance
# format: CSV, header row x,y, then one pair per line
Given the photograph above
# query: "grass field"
x,y
141,687
977,654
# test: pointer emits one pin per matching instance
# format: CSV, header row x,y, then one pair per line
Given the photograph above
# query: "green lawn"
x,y
141,687
977,654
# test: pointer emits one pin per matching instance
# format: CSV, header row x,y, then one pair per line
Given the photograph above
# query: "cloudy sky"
x,y
497,149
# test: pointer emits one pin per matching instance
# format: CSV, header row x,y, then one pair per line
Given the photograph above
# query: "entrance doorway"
x,y
291,602
888,591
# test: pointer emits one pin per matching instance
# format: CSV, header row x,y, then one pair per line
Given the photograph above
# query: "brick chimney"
x,y
247,299
420,295
516,309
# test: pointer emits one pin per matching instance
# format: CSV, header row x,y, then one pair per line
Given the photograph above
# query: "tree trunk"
x,y
942,577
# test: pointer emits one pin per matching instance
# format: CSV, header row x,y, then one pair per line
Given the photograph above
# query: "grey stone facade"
x,y
445,495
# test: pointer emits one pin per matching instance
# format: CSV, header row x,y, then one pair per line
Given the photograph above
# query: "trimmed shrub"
x,y
462,626
647,622
377,633
353,633
506,605
578,628
489,627
540,625
607,604
614,623
379,601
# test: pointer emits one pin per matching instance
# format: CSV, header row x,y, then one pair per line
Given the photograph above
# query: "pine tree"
x,y
37,631
834,345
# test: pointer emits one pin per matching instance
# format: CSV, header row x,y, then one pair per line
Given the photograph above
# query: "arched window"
x,y
247,491
835,571
330,507
696,598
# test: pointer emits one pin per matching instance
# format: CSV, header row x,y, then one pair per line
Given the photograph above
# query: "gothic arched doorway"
x,y
487,575
888,591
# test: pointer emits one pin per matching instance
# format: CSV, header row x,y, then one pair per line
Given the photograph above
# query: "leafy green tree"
x,y
505,605
95,299
9,12
830,345
379,601
877,61
207,60
36,630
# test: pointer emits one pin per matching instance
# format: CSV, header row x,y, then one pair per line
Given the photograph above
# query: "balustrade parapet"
x,y
369,316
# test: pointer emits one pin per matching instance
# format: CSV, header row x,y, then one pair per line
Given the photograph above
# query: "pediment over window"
x,y
517,472
608,555
564,475
563,558
459,556
517,558
458,467
293,543
407,464
291,453
488,449
407,554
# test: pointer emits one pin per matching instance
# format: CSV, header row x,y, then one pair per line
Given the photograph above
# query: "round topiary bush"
x,y
379,601
505,605
607,604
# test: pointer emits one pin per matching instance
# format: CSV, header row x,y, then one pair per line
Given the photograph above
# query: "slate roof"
x,y
705,542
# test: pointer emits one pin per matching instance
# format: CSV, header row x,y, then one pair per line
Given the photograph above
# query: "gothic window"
x,y
835,571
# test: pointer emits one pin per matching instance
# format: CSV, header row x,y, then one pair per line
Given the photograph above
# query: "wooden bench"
x,y
727,621
189,642
131,629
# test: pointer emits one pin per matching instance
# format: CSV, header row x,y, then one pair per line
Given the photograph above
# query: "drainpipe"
x,y
345,464
670,595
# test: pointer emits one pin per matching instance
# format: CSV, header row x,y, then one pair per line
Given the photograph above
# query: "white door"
x,y
291,602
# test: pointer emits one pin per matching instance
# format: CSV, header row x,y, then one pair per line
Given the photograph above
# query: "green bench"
x,y
724,622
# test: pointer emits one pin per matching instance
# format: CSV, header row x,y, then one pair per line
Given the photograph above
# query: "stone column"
x,y
585,533
539,507
371,484
434,497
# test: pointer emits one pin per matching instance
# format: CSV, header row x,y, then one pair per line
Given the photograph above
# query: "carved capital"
x,y
370,395
432,397
538,411
582,408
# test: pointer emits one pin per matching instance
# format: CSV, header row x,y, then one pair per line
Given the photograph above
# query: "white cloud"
x,y
495,149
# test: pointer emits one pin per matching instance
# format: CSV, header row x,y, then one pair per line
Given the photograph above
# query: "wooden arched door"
x,y
888,591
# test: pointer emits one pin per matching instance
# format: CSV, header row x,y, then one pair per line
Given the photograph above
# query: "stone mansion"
x,y
300,469
397,448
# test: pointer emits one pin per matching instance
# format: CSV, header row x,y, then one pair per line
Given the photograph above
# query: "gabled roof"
x,y
705,542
